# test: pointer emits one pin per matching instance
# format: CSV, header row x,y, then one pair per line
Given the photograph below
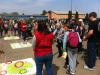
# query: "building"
x,y
36,17
62,15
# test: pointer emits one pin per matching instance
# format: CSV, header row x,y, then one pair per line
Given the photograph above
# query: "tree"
x,y
4,14
76,15
44,12
70,15
14,14
87,17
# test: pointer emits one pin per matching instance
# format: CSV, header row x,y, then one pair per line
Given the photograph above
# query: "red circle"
x,y
3,72
8,62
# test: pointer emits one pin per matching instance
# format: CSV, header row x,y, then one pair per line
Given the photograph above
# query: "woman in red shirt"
x,y
42,46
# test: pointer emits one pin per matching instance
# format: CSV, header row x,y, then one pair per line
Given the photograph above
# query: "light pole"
x,y
71,6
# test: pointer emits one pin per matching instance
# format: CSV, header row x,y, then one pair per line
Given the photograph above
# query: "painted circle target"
x,y
19,64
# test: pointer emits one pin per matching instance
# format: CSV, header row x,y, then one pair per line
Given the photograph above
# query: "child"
x,y
71,41
23,30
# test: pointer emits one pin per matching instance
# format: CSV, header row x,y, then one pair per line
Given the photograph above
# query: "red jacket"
x,y
40,51
23,27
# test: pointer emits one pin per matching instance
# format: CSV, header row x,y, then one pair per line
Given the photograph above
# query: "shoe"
x,y
86,67
71,73
68,71
94,67
66,66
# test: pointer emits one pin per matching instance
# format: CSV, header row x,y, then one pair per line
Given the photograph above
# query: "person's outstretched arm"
x,y
34,42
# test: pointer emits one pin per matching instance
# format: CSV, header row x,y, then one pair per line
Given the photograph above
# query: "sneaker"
x,y
91,69
68,71
66,66
72,73
86,67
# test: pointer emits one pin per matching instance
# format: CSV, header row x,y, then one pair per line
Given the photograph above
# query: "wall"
x,y
53,15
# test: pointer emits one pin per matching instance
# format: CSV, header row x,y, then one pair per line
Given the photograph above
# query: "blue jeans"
x,y
24,35
91,55
47,60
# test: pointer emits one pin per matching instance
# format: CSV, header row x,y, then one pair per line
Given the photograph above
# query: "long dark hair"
x,y
42,27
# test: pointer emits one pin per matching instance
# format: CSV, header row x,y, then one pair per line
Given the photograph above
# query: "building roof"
x,y
65,12
60,12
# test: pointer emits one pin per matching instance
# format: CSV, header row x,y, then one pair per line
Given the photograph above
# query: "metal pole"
x,y
71,6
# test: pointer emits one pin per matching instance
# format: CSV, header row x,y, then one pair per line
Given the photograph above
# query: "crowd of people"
x,y
21,28
70,35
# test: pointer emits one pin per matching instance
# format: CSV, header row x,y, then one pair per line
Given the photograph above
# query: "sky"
x,y
37,6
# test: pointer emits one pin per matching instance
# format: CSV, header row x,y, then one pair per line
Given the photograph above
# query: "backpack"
x,y
73,39
16,26
45,43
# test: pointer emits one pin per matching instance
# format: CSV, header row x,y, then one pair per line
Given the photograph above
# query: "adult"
x,y
93,36
11,24
1,27
15,28
29,29
59,36
6,28
42,46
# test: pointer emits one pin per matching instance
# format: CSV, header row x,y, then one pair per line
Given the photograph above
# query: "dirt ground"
x,y
8,53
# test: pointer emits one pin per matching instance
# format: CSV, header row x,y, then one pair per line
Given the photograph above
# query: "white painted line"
x,y
11,38
20,45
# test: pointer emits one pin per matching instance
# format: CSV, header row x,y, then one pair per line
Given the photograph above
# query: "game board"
x,y
19,67
11,38
20,45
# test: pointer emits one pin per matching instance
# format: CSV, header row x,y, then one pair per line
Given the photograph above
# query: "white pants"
x,y
72,55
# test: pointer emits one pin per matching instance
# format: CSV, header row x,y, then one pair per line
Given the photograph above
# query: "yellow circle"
x,y
19,64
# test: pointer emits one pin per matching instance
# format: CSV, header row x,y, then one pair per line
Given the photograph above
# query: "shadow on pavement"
x,y
55,70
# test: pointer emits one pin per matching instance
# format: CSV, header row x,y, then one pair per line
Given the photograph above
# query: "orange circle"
x,y
19,64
